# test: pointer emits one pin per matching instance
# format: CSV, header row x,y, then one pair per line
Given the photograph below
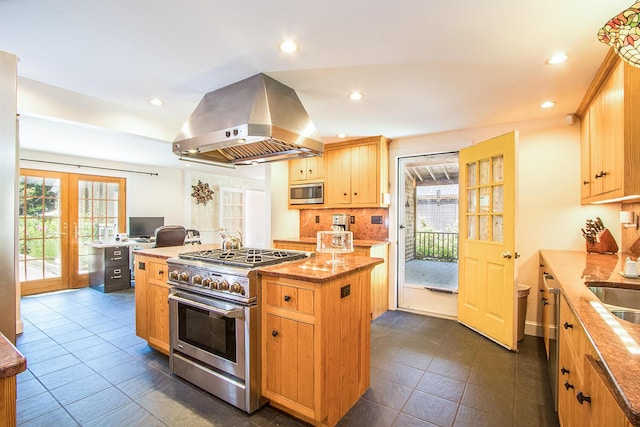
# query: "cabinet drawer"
x,y
290,297
116,256
158,271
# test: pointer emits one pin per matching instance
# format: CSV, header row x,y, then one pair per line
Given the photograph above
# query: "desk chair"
x,y
170,235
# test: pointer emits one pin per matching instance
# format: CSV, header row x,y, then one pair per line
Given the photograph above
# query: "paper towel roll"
x,y
627,217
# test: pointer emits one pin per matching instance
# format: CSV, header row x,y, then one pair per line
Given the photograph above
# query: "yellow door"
x,y
486,284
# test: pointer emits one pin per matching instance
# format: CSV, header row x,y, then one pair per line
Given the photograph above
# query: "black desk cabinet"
x,y
109,268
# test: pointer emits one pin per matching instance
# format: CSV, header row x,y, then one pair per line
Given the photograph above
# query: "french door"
x,y
58,214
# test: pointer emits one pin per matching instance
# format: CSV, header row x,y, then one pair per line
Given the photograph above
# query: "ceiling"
x,y
433,170
423,66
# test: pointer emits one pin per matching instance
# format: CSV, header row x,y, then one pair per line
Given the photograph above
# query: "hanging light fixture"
x,y
622,32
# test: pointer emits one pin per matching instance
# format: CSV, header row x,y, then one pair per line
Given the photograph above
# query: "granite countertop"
x,y
312,240
173,251
621,363
315,269
12,362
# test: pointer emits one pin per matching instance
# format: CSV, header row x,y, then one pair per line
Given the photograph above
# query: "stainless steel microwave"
x,y
306,194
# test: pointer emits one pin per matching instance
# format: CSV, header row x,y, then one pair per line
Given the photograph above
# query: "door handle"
x,y
507,255
402,227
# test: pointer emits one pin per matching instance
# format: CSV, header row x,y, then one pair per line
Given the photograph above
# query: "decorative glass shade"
x,y
623,34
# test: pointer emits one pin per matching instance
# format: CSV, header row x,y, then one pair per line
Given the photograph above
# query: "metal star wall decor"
x,y
202,193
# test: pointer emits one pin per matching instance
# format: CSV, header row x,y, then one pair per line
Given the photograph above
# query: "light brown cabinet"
x,y
152,302
307,169
315,345
585,397
379,274
357,173
609,153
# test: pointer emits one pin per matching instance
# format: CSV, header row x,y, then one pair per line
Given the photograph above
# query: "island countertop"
x,y
312,240
575,271
316,268
12,362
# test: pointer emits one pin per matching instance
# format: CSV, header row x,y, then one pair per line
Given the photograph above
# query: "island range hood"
x,y
253,121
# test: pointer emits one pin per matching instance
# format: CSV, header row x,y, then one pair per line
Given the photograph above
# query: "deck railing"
x,y
437,246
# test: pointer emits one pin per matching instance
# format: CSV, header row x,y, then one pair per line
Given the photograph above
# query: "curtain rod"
x,y
90,167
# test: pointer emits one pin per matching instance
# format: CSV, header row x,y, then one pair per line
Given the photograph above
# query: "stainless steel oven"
x,y
215,321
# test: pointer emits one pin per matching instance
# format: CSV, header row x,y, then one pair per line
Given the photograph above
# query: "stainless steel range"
x,y
215,320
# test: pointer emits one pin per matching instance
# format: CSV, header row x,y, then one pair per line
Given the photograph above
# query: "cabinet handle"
x,y
564,370
287,298
355,194
310,171
567,325
344,194
567,385
601,174
585,182
160,272
274,333
301,171
582,398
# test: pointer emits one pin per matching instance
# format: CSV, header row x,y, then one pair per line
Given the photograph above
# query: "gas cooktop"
x,y
243,257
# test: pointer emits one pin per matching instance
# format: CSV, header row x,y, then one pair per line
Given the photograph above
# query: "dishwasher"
x,y
551,310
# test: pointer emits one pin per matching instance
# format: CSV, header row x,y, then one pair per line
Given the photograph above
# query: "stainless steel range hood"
x,y
252,121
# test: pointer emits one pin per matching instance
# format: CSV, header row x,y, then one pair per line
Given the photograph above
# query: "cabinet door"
x,y
297,170
585,157
315,168
604,410
364,167
158,307
289,360
606,131
338,186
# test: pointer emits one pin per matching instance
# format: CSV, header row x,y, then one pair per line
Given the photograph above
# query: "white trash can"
x,y
523,293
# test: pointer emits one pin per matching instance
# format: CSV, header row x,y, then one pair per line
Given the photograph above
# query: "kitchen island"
x,y
316,335
602,352
366,248
12,362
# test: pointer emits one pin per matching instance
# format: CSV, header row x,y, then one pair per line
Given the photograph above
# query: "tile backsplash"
x,y
361,226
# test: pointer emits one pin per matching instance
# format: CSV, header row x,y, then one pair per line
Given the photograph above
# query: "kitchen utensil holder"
x,y
605,243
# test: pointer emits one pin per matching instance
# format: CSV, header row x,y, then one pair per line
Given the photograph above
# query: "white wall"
x,y
285,223
147,195
549,214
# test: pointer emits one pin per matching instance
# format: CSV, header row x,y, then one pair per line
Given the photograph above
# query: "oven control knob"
x,y
206,283
224,285
215,284
184,277
197,280
235,288
174,275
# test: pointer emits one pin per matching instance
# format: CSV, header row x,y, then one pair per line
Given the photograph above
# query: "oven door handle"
x,y
236,313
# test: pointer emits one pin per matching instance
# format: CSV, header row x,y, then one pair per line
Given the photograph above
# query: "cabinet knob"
x,y
160,272
301,171
274,333
567,385
310,171
355,194
564,370
344,194
567,325
585,182
582,398
287,298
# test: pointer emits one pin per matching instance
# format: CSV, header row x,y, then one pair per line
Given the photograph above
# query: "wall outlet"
x,y
317,219
352,220
376,219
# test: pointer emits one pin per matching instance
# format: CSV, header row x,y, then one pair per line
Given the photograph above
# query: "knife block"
x,y
605,244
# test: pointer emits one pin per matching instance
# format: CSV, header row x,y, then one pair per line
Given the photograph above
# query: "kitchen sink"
x,y
632,316
617,297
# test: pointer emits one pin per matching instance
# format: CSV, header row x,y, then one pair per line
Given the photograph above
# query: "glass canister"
x,y
334,242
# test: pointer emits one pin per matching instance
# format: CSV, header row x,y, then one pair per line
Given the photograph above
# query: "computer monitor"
x,y
144,226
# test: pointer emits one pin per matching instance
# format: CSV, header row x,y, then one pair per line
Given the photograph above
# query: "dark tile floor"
x,y
87,367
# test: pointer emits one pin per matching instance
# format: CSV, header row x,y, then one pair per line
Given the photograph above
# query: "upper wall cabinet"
x,y
357,173
610,128
306,169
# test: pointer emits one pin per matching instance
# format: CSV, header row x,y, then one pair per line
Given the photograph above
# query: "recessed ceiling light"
x,y
341,135
288,46
156,101
355,96
547,104
558,58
